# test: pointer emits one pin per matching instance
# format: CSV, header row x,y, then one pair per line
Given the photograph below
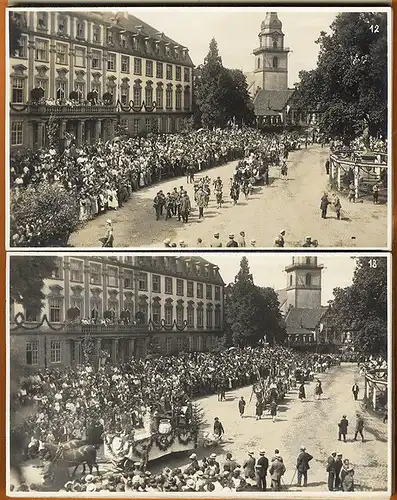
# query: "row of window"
x,y
308,280
66,27
80,60
32,352
18,93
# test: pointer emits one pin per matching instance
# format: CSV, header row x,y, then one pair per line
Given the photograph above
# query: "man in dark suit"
x,y
302,465
331,471
338,467
261,467
355,391
343,424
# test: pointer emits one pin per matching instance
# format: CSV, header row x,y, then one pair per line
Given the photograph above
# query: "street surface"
x,y
292,205
312,424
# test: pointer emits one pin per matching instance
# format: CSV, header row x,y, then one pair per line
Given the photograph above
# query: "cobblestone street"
x,y
293,205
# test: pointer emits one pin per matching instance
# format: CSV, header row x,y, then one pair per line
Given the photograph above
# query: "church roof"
x,y
271,102
301,320
271,21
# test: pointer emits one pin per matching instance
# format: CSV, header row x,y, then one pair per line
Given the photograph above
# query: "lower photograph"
x,y
199,373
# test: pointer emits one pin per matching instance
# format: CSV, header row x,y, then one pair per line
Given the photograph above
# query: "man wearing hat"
x,y
249,466
338,467
302,465
216,243
213,464
261,471
231,243
194,462
331,471
276,471
280,241
359,427
218,428
167,243
241,240
343,424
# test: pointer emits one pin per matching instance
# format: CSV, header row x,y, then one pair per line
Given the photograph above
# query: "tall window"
x,y
128,279
55,351
80,29
168,73
143,281
156,313
61,56
55,305
217,293
190,289
42,83
178,73
22,50
168,286
109,37
159,97
137,66
125,64
61,90
159,70
259,62
95,273
200,318
76,270
186,98
96,59
217,318
209,318
123,41
18,90
62,24
168,345
148,95
199,290
179,316
179,287
79,57
308,279
208,293
190,317
57,271
168,98
32,352
149,68
275,62
125,95
111,62
274,44
186,74
42,50
290,280
178,99
168,315
96,34
112,276
79,87
156,283
135,122
137,96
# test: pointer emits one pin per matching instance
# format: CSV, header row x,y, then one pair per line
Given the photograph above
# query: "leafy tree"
x,y
221,93
349,85
243,308
273,325
15,33
362,307
27,275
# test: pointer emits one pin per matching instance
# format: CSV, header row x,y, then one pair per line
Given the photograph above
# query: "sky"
x,y
236,31
268,269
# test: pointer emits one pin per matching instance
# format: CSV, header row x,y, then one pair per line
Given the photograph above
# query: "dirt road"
x,y
292,205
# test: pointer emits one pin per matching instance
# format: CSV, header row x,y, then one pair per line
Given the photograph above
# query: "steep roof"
x,y
303,320
271,102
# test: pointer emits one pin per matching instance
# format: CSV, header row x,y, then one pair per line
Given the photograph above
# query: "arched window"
x,y
290,280
259,62
275,62
308,279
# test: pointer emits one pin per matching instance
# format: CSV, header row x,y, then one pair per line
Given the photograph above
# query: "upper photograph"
x,y
199,127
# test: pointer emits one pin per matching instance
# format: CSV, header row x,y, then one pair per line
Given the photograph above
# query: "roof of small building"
x,y
301,320
271,102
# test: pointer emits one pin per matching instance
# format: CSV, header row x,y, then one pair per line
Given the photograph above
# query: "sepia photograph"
x,y
207,374
157,127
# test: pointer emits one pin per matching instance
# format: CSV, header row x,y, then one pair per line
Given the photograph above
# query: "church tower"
x,y
304,283
271,57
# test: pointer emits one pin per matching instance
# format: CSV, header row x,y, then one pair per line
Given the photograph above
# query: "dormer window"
x,y
42,20
62,25
123,41
96,34
109,37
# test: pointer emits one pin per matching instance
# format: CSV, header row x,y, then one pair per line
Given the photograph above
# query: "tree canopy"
x,y
221,93
15,35
362,307
252,312
349,85
27,275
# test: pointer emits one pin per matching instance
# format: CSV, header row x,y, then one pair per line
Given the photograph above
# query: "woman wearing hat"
x,y
347,476
108,240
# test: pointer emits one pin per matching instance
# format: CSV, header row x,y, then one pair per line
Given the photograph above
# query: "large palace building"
x,y
129,307
72,60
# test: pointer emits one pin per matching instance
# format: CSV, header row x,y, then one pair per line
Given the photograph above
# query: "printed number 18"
x,y
373,263
374,28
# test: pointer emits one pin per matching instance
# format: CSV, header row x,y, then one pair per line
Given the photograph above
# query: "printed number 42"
x,y
374,28
373,263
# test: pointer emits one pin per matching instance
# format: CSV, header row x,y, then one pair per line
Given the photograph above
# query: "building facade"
x,y
79,54
157,305
303,283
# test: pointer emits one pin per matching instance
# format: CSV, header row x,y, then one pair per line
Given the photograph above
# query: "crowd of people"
x,y
102,176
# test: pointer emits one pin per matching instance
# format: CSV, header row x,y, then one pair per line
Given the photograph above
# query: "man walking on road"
x,y
219,431
324,205
331,471
359,427
261,471
355,391
241,406
302,465
343,424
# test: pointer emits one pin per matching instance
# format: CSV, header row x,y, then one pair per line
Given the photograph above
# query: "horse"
x,y
74,456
